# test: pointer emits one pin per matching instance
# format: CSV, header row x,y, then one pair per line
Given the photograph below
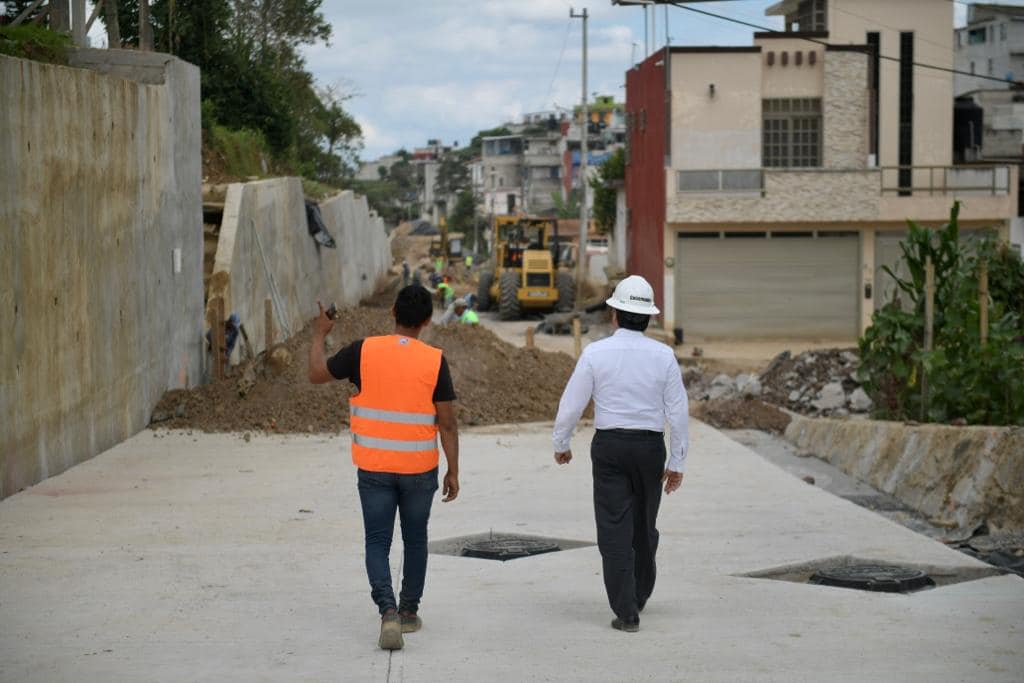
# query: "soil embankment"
x,y
496,382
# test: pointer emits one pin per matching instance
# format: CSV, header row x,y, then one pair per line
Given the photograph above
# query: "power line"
x,y
893,28
558,64
767,29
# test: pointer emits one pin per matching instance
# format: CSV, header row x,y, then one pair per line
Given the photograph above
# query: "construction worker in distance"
x,y
445,293
405,400
466,315
460,311
637,389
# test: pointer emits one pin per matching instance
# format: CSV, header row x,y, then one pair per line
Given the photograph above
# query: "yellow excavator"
x,y
524,271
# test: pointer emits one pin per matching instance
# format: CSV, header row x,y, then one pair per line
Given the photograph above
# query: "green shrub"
x,y
244,152
35,42
979,383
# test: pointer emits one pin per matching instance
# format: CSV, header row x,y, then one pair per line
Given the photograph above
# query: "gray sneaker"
x,y
410,621
390,632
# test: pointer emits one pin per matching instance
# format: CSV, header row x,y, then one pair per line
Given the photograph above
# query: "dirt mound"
x,y
741,413
498,382
495,382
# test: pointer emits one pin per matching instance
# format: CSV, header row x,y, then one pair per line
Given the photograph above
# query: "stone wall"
x,y
789,196
100,257
845,105
958,477
265,251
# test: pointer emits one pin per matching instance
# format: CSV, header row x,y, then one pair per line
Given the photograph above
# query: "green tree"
x,y
254,77
452,176
277,28
982,383
606,187
567,208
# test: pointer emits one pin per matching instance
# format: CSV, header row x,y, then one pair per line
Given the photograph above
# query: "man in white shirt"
x,y
637,389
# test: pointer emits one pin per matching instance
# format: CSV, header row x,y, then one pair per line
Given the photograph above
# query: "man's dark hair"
x,y
632,321
413,306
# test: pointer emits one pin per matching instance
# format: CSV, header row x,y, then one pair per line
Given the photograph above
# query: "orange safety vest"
x,y
393,419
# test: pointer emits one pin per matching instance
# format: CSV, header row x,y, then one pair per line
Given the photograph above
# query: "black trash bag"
x,y
315,223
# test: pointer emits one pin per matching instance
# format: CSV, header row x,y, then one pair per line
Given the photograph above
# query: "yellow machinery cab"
x,y
524,273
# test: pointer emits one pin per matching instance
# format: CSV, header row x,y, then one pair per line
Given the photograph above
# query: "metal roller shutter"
x,y
754,287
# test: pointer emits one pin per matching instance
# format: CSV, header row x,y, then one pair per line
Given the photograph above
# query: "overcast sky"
x,y
447,68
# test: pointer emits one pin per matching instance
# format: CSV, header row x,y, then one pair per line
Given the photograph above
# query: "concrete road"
x,y
208,558
514,332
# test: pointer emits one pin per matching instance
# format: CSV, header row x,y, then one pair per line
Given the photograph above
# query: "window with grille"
x,y
792,132
808,15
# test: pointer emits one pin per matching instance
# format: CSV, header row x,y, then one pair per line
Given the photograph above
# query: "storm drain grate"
x,y
873,575
881,578
493,545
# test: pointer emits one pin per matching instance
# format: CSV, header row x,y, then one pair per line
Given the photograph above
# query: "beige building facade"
x,y
793,164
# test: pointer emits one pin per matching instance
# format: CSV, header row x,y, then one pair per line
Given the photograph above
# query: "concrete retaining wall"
x,y
264,245
100,197
957,476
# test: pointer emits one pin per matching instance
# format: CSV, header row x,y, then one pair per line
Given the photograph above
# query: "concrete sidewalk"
x,y
207,558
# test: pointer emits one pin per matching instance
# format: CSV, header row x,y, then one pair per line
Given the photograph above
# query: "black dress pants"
x,y
628,466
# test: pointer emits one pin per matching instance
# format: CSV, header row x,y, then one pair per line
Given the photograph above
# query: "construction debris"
x,y
496,382
736,412
820,382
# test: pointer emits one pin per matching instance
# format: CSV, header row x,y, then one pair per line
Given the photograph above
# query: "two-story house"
x,y
767,184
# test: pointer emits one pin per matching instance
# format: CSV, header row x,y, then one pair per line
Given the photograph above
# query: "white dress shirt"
x,y
636,384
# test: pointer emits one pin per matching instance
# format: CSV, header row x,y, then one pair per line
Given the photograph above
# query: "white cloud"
x,y
526,10
448,68
374,137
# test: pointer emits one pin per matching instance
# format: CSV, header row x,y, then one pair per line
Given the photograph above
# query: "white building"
x,y
992,44
370,170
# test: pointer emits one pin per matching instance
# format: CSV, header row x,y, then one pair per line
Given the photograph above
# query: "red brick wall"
x,y
646,104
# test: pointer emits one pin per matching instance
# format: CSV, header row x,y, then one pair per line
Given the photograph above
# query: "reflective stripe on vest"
x,y
393,444
393,418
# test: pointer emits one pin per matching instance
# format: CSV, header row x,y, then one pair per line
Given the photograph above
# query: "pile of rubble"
x,y
822,382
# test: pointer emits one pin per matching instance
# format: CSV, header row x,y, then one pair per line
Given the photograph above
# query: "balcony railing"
x,y
893,180
945,180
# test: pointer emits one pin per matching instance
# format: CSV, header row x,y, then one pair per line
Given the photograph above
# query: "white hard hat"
x,y
634,295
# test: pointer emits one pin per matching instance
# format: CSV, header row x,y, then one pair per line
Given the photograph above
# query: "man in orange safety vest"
x,y
405,401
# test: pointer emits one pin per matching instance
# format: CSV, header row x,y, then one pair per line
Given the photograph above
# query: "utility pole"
x,y
145,29
581,249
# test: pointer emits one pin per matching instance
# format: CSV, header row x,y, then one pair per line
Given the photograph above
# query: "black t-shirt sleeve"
x,y
345,363
444,390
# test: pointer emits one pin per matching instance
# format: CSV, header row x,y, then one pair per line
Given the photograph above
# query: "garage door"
x,y
793,286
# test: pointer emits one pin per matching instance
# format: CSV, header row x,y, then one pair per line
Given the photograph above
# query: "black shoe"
x,y
627,626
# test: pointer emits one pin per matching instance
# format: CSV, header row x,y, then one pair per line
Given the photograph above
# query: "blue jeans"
x,y
381,494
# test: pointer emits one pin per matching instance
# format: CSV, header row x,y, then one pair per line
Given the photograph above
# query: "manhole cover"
x,y
508,548
873,577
